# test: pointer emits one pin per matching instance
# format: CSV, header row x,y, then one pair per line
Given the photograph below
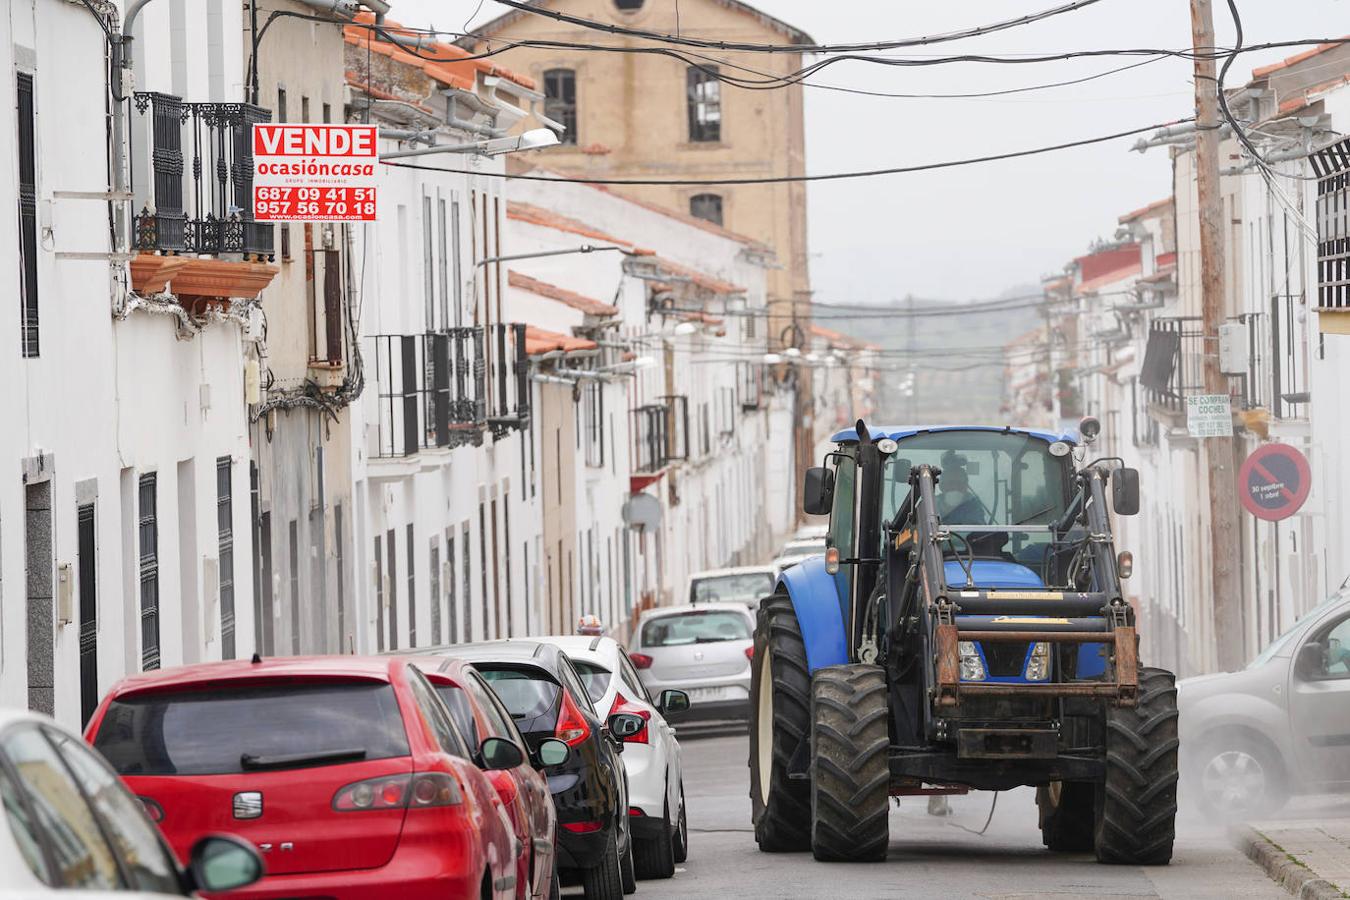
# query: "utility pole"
x,y
1225,576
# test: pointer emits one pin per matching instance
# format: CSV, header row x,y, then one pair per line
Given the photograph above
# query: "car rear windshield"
x,y
528,694
594,677
698,627
744,588
226,731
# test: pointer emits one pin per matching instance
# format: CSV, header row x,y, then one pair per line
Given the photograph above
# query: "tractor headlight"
x,y
1038,666
972,666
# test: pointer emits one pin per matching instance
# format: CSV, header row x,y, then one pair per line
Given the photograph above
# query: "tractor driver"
x,y
956,504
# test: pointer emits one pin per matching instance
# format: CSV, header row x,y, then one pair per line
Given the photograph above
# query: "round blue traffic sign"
x,y
1274,482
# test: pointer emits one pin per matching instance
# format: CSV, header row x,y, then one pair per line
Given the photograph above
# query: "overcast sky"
x,y
973,232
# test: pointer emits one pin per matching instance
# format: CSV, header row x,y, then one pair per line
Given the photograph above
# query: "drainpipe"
x,y
121,91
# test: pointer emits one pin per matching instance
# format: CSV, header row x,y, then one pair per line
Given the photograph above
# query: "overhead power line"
x,y
831,176
686,41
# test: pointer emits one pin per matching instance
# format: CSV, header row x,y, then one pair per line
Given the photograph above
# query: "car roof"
x,y
694,607
450,666
900,432
504,651
374,668
738,570
12,715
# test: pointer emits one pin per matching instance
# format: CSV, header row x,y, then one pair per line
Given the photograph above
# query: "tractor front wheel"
x,y
1137,805
850,771
780,705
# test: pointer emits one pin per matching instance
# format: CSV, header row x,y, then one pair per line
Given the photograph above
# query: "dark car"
x,y
547,699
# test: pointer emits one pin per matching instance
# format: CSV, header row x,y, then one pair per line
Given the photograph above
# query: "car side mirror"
x,y
552,752
818,491
625,725
1311,660
672,702
499,753
1125,492
223,862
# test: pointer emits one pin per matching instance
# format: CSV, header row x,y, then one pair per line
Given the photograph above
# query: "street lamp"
x,y
534,139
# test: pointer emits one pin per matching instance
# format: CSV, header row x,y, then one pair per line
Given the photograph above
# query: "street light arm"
x,y
584,248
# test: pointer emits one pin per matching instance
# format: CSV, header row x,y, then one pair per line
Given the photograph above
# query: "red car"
x,y
346,772
479,715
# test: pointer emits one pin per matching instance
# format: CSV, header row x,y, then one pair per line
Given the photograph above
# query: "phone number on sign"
x,y
320,204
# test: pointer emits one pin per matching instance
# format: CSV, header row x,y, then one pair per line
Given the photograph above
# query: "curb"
x,y
1296,878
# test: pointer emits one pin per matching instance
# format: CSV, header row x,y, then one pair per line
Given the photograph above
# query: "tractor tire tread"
x,y
850,769
783,823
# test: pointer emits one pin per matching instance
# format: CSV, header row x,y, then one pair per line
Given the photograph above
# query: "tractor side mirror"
x,y
1125,492
818,491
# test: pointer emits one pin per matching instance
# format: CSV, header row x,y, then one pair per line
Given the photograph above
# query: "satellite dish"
x,y
642,511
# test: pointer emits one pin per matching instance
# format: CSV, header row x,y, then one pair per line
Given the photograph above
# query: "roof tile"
x,y
569,298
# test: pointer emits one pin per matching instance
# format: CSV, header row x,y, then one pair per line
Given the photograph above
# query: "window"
x,y
701,627
428,265
304,108
707,207
88,573
28,244
483,563
433,711
1333,226
79,852
560,102
630,678
455,259
466,559
530,695
22,826
412,587
135,841
451,586
339,561
705,104
391,544
461,711
149,573
285,241
233,729
379,597
327,113
593,422
434,588
225,534
499,720
281,104
595,677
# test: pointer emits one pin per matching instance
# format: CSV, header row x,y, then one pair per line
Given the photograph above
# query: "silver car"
x,y
1280,727
703,650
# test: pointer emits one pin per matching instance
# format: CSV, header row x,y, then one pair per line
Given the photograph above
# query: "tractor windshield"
x,y
988,478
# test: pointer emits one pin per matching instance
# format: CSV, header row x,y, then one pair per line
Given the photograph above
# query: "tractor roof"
x,y
899,432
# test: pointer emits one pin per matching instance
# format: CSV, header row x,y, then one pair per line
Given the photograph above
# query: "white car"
x,y
803,547
703,650
72,829
746,584
651,757
791,559
812,532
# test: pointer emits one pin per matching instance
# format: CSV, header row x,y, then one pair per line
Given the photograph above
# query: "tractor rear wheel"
x,y
1137,805
850,771
1066,815
780,705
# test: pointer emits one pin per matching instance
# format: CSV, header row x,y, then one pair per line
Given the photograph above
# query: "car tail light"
x,y
750,652
572,728
621,705
582,827
152,809
399,792
640,660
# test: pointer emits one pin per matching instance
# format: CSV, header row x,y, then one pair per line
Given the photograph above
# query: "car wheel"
x,y
655,857
626,867
1239,779
603,881
681,835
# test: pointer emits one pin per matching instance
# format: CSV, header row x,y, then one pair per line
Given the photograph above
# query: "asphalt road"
x,y
929,856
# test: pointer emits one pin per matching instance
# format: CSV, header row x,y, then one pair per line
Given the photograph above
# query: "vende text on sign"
x,y
315,173
1209,415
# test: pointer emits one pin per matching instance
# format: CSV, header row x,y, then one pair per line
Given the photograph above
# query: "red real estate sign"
x,y
314,173
1274,482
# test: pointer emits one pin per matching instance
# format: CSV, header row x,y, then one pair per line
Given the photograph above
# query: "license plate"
x,y
708,694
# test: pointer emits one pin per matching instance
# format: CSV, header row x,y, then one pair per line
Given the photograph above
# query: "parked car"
x,y
651,757
546,698
703,650
479,714
811,546
71,825
746,584
1280,727
812,532
783,562
346,772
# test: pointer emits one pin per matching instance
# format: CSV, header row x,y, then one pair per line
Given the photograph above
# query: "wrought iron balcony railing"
x,y
1173,366
430,391
199,195
509,390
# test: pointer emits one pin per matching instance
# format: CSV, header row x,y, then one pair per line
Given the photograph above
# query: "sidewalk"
x,y
1310,857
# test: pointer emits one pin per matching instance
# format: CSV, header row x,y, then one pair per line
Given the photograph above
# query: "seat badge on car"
x,y
248,804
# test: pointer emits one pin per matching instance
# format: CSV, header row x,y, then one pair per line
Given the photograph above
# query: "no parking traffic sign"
x,y
1274,481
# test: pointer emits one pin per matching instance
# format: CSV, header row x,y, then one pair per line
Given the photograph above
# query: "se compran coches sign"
x,y
314,173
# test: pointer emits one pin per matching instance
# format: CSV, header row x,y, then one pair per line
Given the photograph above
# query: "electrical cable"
x,y
980,833
831,176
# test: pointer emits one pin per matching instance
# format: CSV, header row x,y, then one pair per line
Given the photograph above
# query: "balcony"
x,y
430,391
1173,367
194,172
508,397
661,433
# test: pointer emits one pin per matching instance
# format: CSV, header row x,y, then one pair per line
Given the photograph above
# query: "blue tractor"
x,y
965,629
